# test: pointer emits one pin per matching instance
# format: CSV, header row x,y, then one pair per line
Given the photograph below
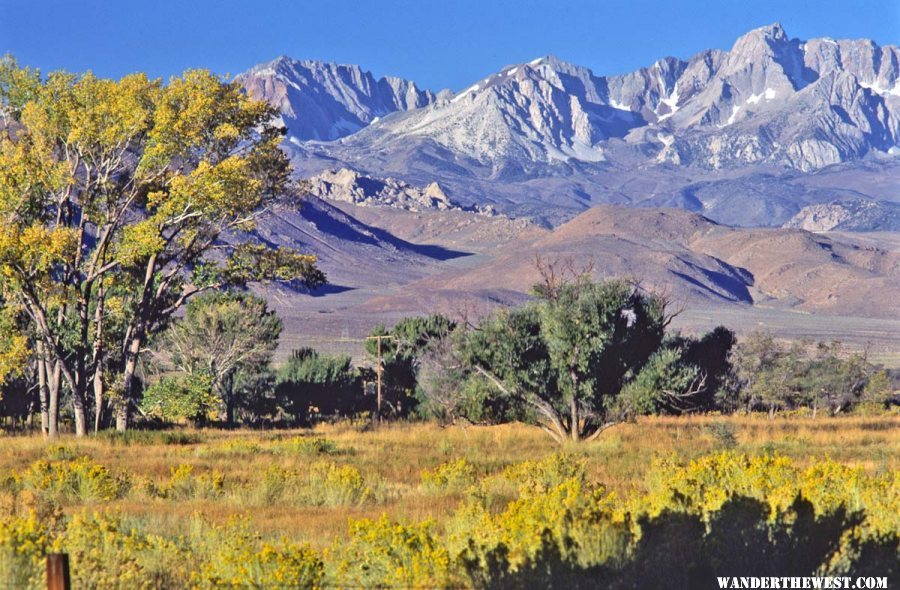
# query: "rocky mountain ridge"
x,y
547,139
326,101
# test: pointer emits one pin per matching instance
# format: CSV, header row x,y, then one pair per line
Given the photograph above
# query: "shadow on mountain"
x,y
324,290
332,221
728,288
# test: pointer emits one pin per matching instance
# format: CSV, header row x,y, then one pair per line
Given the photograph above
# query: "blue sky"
x,y
437,43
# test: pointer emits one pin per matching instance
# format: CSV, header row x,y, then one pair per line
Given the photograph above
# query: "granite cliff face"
x,y
326,101
858,215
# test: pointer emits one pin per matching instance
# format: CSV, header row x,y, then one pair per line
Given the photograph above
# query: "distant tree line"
x,y
581,357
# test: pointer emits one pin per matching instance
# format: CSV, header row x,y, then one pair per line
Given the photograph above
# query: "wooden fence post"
x,y
58,572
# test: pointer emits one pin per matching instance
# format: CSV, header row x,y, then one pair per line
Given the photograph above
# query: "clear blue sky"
x,y
437,43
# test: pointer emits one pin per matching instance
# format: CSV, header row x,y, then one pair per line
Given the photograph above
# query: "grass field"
x,y
231,473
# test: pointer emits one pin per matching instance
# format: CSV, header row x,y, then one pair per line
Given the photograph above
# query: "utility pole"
x,y
378,370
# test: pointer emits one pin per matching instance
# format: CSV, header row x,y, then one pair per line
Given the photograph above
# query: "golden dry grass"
x,y
393,457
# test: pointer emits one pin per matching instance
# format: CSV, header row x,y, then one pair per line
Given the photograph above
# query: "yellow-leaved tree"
x,y
113,195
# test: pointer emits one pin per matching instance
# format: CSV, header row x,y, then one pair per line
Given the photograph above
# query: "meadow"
x,y
310,488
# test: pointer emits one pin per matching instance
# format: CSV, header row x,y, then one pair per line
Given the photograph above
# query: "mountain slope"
x,y
699,262
326,101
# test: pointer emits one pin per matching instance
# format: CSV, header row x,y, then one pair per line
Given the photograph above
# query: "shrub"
x,y
79,479
455,476
534,477
321,484
337,485
106,554
60,453
383,554
184,485
725,434
233,556
23,546
240,447
305,445
272,486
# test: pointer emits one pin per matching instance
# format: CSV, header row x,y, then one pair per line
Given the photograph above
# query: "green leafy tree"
x,y
879,389
112,195
764,372
227,335
683,376
830,379
666,384
569,354
310,383
181,397
451,392
775,376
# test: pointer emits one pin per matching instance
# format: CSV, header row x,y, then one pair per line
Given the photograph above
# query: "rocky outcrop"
x,y
351,187
857,215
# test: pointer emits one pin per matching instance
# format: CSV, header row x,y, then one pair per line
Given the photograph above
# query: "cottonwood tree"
x,y
113,195
222,335
569,354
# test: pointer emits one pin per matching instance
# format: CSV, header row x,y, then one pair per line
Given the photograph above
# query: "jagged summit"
x,y
326,101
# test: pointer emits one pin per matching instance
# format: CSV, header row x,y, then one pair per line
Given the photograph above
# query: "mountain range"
x,y
757,186
748,136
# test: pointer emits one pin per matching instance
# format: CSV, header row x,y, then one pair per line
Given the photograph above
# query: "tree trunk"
x,y
80,414
573,410
97,358
122,416
54,382
123,411
573,405
98,396
42,389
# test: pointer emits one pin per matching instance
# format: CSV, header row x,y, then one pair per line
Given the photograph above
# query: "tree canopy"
x,y
228,336
114,194
569,354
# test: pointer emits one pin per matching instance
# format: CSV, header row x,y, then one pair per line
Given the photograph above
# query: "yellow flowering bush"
x,y
320,484
535,477
330,484
455,476
234,556
77,479
105,553
722,514
240,447
385,554
306,445
183,484
23,546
